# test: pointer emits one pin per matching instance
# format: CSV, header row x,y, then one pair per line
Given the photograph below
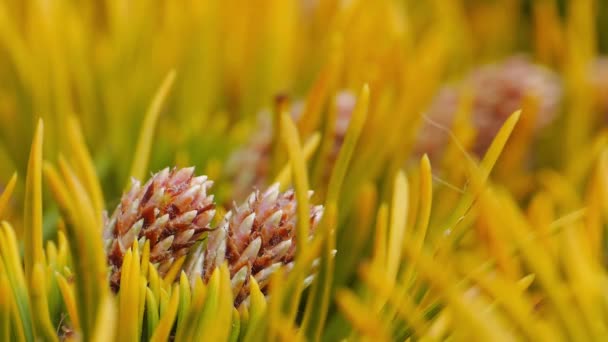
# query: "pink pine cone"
x,y
255,238
171,211
249,166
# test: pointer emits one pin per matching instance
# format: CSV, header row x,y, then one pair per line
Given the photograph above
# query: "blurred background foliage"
x,y
104,60
209,68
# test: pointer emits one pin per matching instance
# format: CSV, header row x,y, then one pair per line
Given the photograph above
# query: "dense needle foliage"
x,y
303,170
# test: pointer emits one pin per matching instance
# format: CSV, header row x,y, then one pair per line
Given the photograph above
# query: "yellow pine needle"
x,y
184,298
289,135
496,235
541,213
43,326
84,230
277,150
462,131
426,201
358,315
311,145
357,240
164,301
593,221
56,185
244,316
498,144
83,207
84,164
9,251
396,232
152,311
379,250
397,296
518,306
296,156
176,267
327,144
303,262
7,193
319,92
142,301
483,327
207,315
584,281
348,147
62,248
6,303
540,264
215,320
380,240
597,205
187,328
51,254
67,293
479,174
440,326
34,250
154,280
567,220
548,31
236,326
145,259
143,149
128,311
277,290
562,190
257,312
319,300
105,325
288,332
525,282
163,329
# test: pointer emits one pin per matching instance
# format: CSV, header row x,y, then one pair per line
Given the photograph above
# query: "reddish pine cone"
x,y
498,90
171,211
250,165
255,238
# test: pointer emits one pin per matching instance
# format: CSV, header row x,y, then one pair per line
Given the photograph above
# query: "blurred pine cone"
x,y
249,166
171,211
498,90
255,238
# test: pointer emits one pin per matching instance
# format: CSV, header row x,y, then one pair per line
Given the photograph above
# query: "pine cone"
x,y
498,90
255,238
250,165
171,211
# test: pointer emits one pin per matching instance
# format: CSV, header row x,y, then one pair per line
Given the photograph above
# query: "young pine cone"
x,y
498,90
255,238
171,211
